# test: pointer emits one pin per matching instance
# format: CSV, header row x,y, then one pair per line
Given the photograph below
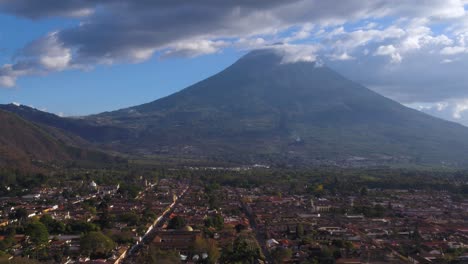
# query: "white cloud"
x,y
343,56
9,74
251,43
343,40
193,48
304,33
455,110
7,81
138,55
297,53
453,50
48,52
460,108
389,50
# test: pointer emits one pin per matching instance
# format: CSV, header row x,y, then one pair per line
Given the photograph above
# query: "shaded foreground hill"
x,y
27,146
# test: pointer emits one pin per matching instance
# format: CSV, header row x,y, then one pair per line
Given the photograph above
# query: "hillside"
x,y
26,146
75,126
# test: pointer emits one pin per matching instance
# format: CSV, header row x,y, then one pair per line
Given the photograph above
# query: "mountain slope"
x,y
26,146
262,110
74,126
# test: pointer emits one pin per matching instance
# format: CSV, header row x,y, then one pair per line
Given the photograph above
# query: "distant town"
x,y
200,216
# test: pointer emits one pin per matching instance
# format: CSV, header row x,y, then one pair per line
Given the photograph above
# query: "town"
x,y
196,218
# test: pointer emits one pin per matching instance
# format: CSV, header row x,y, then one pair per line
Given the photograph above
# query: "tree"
x,y
37,232
300,230
96,245
176,222
208,246
77,227
148,215
216,221
106,220
318,190
213,252
9,239
130,218
21,214
240,227
281,254
53,226
245,249
129,190
363,191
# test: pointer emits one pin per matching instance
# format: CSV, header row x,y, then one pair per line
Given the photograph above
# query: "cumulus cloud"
x,y
453,50
460,108
389,50
454,110
193,48
49,52
341,57
7,81
297,53
10,72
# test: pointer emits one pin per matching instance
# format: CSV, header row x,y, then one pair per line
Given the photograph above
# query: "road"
x,y
149,235
258,235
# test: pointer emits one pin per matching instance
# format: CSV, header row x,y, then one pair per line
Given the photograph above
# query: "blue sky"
x,y
80,57
106,87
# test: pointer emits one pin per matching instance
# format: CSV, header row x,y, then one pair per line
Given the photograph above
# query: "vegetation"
x,y
37,232
281,254
245,249
96,245
216,221
176,222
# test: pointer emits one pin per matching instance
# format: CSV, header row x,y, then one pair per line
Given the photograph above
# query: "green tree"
x,y
79,227
37,232
53,226
213,252
96,245
129,190
245,249
130,218
176,222
216,221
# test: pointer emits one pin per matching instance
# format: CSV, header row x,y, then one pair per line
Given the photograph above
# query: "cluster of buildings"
x,y
83,208
202,222
383,226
